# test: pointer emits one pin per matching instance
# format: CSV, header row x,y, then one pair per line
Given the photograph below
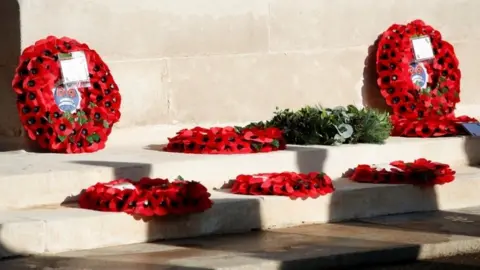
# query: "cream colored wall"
x,y
232,60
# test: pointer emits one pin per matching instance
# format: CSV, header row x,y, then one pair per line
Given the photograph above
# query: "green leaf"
x,y
180,178
69,117
61,138
93,137
238,129
256,146
92,105
105,124
276,143
63,56
318,125
82,120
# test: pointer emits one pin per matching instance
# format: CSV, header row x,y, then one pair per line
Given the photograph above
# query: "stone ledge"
x,y
51,229
346,245
39,179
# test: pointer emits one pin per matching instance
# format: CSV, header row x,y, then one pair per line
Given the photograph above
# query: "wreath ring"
x,y
422,94
226,140
420,172
65,118
291,184
147,197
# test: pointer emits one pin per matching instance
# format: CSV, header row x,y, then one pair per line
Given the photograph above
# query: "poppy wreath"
x,y
294,185
147,197
60,118
226,140
421,172
422,95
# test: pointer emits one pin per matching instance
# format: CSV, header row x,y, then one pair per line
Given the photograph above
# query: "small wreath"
x,y
294,185
226,140
147,197
422,94
68,118
421,172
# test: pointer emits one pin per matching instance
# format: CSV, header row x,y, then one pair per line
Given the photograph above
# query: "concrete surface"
x,y
35,184
459,262
53,178
235,60
47,229
391,239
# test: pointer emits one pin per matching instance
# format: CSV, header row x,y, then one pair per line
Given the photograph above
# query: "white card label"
x,y
74,67
387,167
422,48
122,186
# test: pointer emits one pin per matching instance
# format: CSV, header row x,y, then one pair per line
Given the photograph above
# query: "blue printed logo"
x,y
67,98
419,75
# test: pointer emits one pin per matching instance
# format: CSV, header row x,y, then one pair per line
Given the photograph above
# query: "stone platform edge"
x,y
43,179
52,229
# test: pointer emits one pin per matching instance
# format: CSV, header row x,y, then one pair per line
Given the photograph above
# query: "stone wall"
x,y
185,61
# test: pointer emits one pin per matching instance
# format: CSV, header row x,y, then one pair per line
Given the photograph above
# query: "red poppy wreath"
x,y
61,112
422,93
294,185
147,197
226,140
421,172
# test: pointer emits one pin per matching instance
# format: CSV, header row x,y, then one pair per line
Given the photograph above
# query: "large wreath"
x,y
226,140
147,197
291,184
422,94
71,118
421,172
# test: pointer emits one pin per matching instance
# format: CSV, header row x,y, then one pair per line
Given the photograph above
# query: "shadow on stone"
x,y
439,264
309,158
156,147
472,150
371,96
465,222
75,263
10,48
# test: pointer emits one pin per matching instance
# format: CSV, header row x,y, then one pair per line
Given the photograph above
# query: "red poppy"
x,y
425,129
362,173
62,126
251,135
145,205
119,200
202,204
195,189
241,184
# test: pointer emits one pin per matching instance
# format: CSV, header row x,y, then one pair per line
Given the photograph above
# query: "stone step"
x,y
50,229
39,179
347,245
